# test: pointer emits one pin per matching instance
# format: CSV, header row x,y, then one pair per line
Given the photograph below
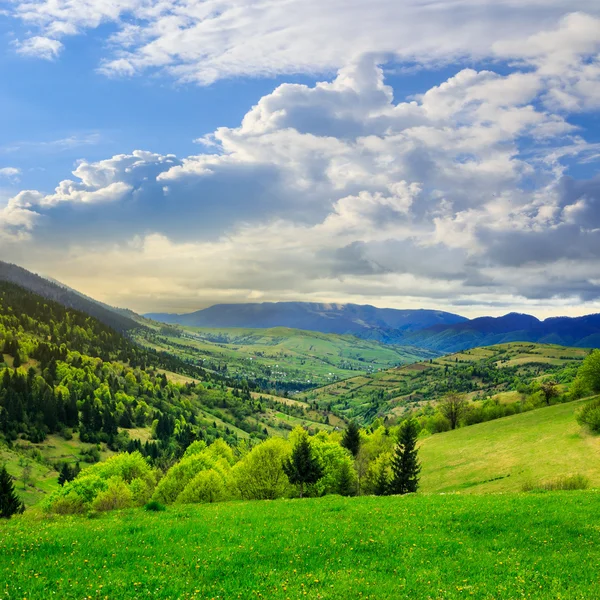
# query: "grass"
x,y
542,546
508,453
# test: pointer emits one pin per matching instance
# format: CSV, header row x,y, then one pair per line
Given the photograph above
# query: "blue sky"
x,y
401,154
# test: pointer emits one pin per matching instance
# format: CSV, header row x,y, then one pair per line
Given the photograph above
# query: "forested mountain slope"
x,y
65,296
62,370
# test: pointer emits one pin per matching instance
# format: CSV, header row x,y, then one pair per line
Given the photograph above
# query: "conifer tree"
x,y
303,467
10,504
351,438
405,463
67,473
346,485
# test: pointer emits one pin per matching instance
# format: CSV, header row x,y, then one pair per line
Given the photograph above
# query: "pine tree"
x,y
10,504
67,473
351,438
346,485
405,463
303,468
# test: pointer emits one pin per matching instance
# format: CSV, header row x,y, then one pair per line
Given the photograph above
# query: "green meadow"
x,y
505,454
544,545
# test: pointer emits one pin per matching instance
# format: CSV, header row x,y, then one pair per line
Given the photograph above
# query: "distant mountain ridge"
x,y
434,330
69,298
365,321
583,332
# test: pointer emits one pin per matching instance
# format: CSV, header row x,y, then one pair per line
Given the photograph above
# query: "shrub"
x,y
216,456
154,506
117,496
259,475
590,415
207,486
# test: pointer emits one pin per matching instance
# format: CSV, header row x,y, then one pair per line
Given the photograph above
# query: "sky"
x,y
167,155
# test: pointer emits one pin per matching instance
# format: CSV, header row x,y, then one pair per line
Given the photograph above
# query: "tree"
x,y
302,467
260,475
66,474
25,465
589,372
10,504
405,462
453,406
351,438
549,389
346,483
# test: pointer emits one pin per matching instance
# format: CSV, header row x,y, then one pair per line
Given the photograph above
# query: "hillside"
x,y
280,358
69,383
582,332
65,296
536,546
480,373
369,322
505,454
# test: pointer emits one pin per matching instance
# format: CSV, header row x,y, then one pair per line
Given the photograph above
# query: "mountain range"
x,y
434,330
368,322
430,329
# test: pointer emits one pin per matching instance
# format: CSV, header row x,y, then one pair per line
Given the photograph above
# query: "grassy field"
x,y
439,547
281,356
502,455
395,391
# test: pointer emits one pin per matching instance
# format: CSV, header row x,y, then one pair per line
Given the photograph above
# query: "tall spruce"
x,y
351,438
10,503
302,467
405,462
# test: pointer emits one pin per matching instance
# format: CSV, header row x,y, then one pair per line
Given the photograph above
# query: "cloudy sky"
x,y
166,155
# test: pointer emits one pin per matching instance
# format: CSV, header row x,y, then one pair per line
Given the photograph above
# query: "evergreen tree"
x,y
351,438
346,485
303,467
405,463
10,504
67,473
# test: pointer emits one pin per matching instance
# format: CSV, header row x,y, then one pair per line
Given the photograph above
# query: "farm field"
x,y
422,546
490,372
505,454
282,358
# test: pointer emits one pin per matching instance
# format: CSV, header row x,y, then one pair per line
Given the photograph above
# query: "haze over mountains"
x,y
430,329
435,330
66,296
368,322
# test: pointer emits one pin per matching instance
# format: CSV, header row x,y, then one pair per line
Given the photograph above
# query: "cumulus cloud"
x,y
40,47
338,191
204,40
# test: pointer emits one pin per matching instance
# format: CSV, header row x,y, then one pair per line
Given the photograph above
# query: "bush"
x,y
207,486
589,415
566,482
154,506
260,475
116,497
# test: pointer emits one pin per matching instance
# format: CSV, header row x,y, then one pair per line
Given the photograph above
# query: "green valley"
x,y
279,358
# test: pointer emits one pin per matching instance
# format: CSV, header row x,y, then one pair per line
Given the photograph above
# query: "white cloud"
x,y
40,47
338,192
204,40
10,173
